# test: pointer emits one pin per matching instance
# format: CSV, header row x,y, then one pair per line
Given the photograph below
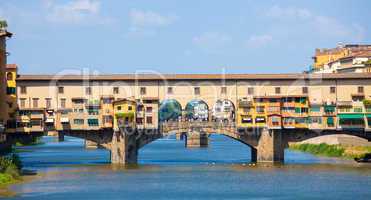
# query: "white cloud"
x,y
211,41
75,12
318,24
360,32
289,12
140,18
257,41
146,23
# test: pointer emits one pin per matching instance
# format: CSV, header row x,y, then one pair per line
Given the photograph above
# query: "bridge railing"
x,y
173,126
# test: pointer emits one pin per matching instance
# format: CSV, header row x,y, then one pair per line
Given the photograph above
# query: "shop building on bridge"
x,y
288,101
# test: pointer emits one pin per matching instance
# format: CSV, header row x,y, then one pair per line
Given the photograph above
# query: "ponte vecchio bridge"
x,y
125,112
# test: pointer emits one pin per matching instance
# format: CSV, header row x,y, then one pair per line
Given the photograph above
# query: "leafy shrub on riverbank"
x,y
357,151
10,168
332,150
320,149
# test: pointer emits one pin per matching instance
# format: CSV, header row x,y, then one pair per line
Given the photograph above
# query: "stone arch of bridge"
x,y
250,142
197,109
219,110
301,135
169,110
101,138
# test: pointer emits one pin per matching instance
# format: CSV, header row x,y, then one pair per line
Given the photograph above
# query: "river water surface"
x,y
167,170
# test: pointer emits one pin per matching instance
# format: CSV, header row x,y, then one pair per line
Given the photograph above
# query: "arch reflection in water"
x,y
197,110
223,110
170,110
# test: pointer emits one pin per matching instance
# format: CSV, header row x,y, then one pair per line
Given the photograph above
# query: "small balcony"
x,y
315,114
23,118
301,105
274,104
344,103
245,102
274,110
140,114
301,125
50,121
275,122
92,103
288,104
37,129
107,121
37,116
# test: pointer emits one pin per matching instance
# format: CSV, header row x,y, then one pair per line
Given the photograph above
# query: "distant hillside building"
x,y
350,58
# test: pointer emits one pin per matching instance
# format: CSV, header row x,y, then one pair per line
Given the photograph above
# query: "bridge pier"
x,y
60,137
180,135
271,146
254,155
124,148
197,139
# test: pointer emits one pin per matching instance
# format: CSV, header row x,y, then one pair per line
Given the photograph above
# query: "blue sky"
x,y
178,36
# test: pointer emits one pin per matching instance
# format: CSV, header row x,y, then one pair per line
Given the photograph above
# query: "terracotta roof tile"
x,y
11,66
169,77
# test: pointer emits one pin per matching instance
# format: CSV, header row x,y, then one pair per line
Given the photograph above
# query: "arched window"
x,y
9,76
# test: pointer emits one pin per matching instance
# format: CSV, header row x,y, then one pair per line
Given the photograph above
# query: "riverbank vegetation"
x,y
10,169
323,149
36,141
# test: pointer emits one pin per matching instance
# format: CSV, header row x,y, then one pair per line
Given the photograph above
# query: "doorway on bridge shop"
x,y
169,151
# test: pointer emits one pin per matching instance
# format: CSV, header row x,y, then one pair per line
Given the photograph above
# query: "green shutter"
x,y
359,110
125,114
351,116
330,120
93,122
303,100
315,109
329,108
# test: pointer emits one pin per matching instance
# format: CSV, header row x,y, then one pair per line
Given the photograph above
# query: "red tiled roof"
x,y
362,54
123,100
150,98
170,77
11,66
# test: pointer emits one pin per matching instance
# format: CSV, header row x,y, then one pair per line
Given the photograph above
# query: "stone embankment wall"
x,y
344,140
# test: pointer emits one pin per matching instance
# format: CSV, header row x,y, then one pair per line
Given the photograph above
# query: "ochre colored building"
x,y
11,97
323,57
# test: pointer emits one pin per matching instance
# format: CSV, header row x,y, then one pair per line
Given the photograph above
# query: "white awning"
x,y
65,120
49,120
260,119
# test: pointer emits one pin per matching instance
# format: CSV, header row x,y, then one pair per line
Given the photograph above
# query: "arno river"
x,y
167,170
